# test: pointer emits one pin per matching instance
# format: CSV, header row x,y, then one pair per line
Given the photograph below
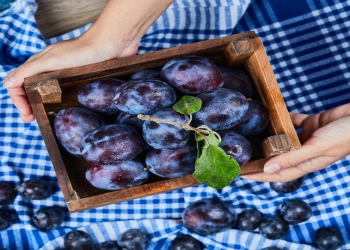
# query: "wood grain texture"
x,y
265,82
56,17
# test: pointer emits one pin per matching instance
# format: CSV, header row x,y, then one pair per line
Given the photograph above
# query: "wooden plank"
x,y
80,204
51,145
260,70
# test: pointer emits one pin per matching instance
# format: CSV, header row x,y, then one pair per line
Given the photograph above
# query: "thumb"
x,y
16,78
29,68
303,157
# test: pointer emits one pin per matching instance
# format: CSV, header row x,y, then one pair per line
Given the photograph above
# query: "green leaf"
x,y
213,138
215,168
188,105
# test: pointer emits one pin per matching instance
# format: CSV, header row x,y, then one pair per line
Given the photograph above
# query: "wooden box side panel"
x,y
51,145
260,70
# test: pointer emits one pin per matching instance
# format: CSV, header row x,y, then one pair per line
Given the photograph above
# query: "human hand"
x,y
325,138
116,33
57,56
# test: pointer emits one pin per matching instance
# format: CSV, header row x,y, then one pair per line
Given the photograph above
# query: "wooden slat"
x,y
265,82
77,205
51,145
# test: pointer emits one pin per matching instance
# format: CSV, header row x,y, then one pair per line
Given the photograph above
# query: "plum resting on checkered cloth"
x,y
186,242
8,193
134,238
273,227
107,245
328,238
78,239
287,187
295,211
36,189
209,216
249,219
48,218
5,220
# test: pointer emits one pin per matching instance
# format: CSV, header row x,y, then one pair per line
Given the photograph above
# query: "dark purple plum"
x,y
120,175
192,74
186,242
165,136
111,143
295,211
5,220
8,193
328,238
146,73
99,94
221,109
36,189
209,216
237,79
287,187
236,145
72,124
78,240
273,227
172,163
107,245
131,120
48,218
254,121
144,96
134,239
249,219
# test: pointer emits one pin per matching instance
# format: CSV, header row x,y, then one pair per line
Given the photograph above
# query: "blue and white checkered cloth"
x,y
308,46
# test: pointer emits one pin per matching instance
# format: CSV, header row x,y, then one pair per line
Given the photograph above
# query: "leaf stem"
x,y
179,124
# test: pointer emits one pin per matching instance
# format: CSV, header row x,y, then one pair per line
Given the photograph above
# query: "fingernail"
x,y
272,168
10,82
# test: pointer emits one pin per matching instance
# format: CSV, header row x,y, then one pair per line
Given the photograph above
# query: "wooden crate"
x,y
50,92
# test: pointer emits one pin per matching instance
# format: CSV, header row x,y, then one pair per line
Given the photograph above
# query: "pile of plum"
x,y
212,215
131,239
124,153
206,216
45,218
